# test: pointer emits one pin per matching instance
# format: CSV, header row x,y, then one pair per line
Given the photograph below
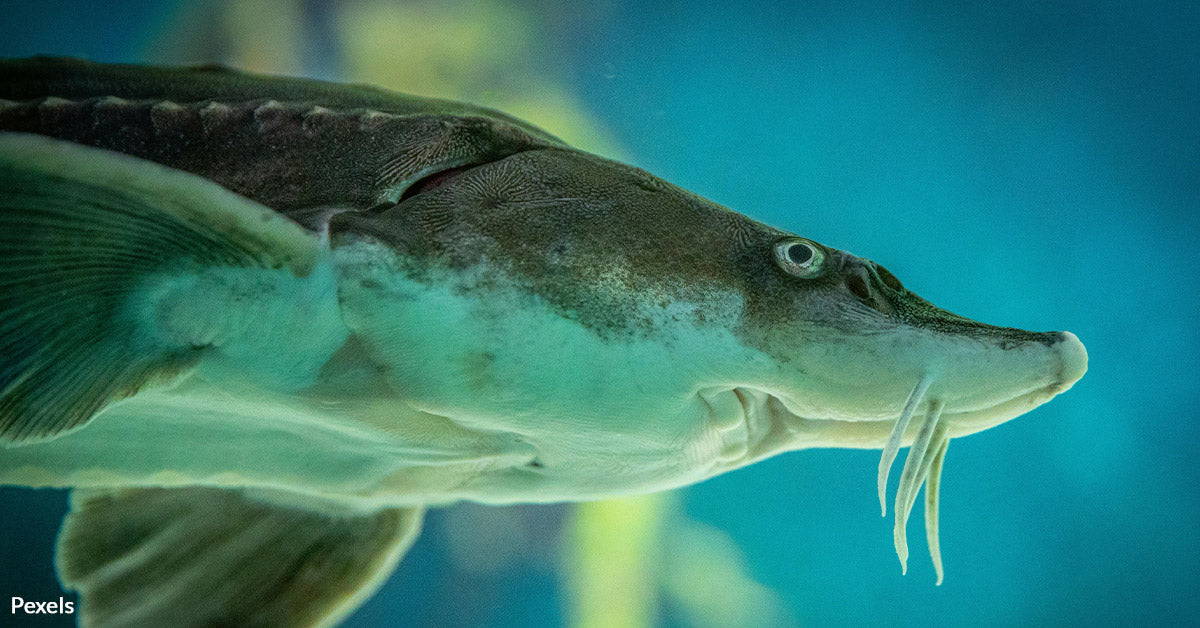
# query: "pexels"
x,y
42,608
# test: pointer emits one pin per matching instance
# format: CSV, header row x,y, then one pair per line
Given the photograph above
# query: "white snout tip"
x,y
1073,359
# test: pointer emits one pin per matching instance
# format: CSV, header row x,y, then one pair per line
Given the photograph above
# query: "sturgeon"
x,y
259,324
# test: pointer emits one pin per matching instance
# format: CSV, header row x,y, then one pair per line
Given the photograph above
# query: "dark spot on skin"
x,y
535,464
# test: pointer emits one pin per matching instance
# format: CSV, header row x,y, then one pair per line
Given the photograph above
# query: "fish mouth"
x,y
770,429
924,424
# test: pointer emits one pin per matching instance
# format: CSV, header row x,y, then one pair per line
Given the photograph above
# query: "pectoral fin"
x,y
81,232
217,557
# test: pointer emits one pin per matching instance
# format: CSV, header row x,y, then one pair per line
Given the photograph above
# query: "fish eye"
x,y
799,257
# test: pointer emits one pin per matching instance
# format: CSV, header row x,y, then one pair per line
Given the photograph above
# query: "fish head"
x,y
642,337
857,344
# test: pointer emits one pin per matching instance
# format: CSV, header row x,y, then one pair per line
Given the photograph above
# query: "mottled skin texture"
x,y
576,205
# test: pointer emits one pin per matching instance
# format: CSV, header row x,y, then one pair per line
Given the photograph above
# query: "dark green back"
x,y
298,146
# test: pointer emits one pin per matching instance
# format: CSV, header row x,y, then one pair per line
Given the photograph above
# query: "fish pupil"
x,y
799,253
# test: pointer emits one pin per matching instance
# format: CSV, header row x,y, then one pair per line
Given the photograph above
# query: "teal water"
x,y
1026,165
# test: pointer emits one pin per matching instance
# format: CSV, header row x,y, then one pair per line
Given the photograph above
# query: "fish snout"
x,y
1073,360
983,374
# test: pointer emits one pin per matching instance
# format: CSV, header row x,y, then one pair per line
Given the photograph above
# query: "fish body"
x,y
327,307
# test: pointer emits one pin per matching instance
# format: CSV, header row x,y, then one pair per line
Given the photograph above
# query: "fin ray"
x,y
80,228
209,556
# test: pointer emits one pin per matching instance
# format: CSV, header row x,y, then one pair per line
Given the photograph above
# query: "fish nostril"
x,y
858,286
889,279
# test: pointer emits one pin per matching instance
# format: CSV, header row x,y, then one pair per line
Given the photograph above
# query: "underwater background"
x,y
1024,163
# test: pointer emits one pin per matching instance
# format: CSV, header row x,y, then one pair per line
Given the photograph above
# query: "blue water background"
x,y
1028,164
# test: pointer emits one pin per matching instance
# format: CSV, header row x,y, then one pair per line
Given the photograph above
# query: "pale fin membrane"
x,y
201,556
81,231
893,443
910,479
931,506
